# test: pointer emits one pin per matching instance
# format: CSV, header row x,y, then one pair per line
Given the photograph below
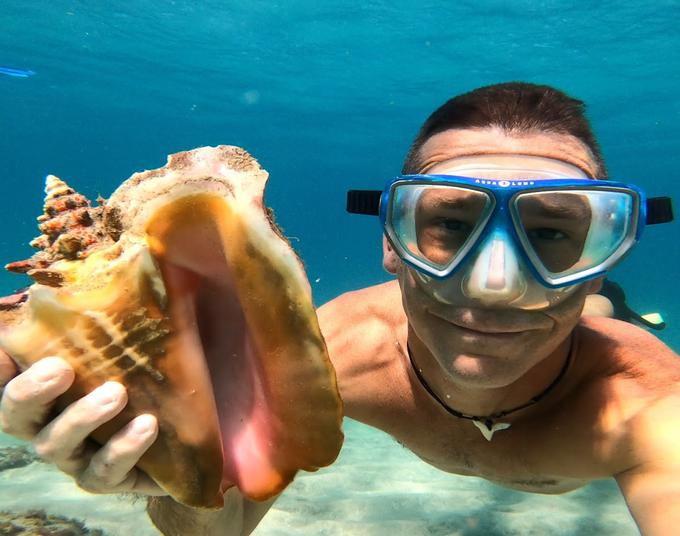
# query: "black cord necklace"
x,y
486,423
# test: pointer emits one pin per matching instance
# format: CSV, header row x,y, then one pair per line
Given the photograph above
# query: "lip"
x,y
484,328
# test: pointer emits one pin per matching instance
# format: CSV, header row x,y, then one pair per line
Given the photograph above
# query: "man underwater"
x,y
477,357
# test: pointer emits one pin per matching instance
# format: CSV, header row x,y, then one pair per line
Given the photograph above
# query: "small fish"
x,y
18,73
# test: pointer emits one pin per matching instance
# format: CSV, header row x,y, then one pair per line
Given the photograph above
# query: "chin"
x,y
478,370
481,359
472,370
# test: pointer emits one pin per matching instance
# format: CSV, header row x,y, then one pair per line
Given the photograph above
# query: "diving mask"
x,y
504,233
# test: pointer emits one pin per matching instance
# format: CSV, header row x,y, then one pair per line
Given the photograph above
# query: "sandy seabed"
x,y
376,488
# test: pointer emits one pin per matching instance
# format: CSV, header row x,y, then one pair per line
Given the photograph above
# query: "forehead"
x,y
456,143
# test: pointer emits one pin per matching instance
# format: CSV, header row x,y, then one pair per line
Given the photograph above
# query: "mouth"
x,y
486,323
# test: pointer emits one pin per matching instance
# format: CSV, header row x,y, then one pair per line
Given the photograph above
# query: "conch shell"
x,y
181,287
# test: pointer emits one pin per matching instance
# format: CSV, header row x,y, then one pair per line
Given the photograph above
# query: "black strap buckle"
x,y
659,210
364,202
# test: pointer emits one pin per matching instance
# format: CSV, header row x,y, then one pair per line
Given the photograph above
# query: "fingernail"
x,y
107,393
142,425
44,372
47,369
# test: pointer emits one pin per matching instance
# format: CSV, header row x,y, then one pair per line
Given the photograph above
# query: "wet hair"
x,y
515,107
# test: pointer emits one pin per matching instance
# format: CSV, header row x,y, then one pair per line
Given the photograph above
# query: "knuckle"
x,y
52,448
87,484
11,424
9,428
17,424
112,465
45,450
16,392
109,469
6,426
98,477
102,470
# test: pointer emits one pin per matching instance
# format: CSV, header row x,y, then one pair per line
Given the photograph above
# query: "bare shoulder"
x,y
638,425
634,387
376,298
369,312
363,329
624,351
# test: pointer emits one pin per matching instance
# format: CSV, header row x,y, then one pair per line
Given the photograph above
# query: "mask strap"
x,y
659,210
364,202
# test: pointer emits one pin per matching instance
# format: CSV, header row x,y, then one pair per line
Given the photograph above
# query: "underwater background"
x,y
328,96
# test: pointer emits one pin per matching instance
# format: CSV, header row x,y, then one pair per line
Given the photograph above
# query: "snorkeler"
x,y
622,311
476,357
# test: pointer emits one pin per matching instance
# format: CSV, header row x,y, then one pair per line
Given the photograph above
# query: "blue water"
x,y
327,96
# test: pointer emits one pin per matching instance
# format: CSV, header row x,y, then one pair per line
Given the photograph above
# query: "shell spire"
x,y
55,187
63,206
70,227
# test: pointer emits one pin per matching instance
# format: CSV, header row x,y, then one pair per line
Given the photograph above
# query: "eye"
x,y
546,233
452,225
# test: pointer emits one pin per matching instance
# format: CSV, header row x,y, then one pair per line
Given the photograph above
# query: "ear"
x,y
595,285
595,304
391,260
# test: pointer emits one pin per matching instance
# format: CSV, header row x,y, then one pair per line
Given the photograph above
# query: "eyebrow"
x,y
455,203
548,206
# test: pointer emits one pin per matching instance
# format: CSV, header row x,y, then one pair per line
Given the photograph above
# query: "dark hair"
x,y
512,106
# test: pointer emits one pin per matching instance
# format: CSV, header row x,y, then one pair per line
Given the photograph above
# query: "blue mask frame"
x,y
647,211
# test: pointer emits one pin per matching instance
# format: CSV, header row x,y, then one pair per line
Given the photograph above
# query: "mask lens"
x,y
437,224
570,232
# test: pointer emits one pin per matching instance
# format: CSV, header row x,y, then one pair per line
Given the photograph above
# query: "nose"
x,y
494,276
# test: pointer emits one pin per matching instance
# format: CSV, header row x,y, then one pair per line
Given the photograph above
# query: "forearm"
x,y
174,519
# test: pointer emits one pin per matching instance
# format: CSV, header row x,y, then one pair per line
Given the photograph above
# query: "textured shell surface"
x,y
119,223
220,170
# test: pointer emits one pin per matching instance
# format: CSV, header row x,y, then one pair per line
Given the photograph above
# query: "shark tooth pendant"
x,y
488,427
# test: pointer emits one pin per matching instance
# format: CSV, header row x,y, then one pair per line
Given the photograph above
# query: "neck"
x,y
464,398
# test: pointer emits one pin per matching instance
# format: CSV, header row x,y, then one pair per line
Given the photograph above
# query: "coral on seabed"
x,y
40,523
13,457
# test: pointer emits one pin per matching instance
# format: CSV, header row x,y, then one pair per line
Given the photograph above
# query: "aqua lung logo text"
x,y
503,183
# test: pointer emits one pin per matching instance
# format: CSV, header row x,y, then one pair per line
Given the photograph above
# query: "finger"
x,y
8,369
112,468
28,399
62,441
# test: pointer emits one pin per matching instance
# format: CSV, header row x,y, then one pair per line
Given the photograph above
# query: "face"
x,y
478,340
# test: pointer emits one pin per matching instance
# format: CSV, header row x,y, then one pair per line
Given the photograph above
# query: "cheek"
x,y
414,301
567,313
409,290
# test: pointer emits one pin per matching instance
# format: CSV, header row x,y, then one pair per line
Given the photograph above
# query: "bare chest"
x,y
519,457
544,454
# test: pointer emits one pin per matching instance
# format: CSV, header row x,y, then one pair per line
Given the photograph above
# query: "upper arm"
x,y
360,330
652,486
652,493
